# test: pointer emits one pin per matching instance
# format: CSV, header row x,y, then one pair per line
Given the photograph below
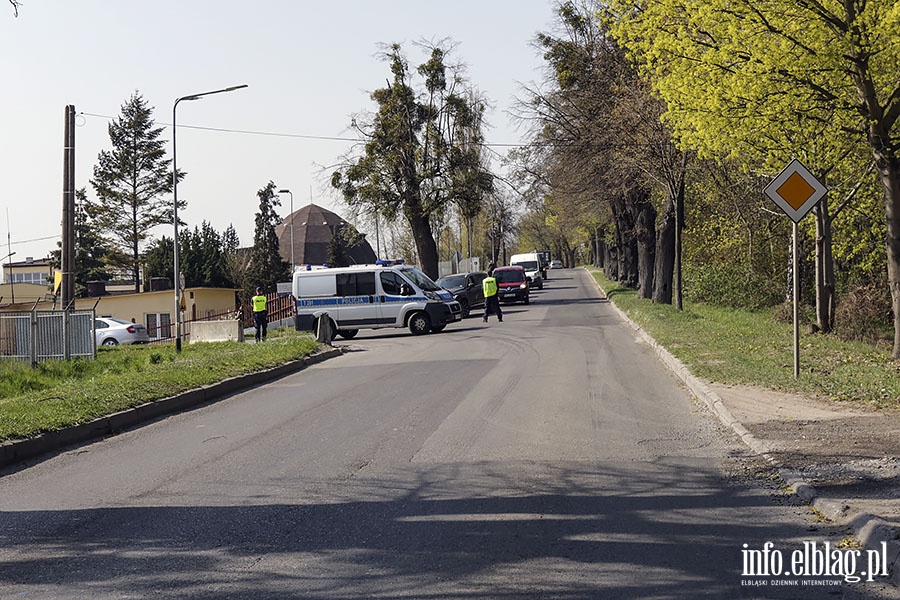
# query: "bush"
x,y
864,314
736,286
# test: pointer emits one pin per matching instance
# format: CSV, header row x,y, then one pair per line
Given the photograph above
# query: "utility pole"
x,y
67,252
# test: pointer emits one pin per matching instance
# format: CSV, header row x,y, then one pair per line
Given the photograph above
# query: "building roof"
x,y
33,262
313,229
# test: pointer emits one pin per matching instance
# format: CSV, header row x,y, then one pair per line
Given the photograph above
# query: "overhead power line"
x,y
284,135
40,239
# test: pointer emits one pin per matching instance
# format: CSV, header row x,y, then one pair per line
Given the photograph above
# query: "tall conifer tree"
x,y
267,267
133,182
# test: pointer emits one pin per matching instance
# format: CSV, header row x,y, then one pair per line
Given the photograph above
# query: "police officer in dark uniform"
x,y
260,314
491,297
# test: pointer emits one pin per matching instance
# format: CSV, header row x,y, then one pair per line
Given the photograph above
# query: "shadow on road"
x,y
433,531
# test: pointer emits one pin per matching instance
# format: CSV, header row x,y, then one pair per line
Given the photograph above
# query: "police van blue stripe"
x,y
351,300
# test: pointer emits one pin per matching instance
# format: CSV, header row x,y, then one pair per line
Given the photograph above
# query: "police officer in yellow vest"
x,y
260,314
491,299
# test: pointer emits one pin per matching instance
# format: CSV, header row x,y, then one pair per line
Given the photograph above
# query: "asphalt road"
x,y
548,456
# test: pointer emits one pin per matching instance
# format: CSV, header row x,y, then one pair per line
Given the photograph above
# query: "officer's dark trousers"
x,y
260,322
492,307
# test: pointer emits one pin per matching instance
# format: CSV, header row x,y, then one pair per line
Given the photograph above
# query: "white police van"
x,y
386,294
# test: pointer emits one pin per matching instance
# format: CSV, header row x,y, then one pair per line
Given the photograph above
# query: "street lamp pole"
x,y
292,228
177,273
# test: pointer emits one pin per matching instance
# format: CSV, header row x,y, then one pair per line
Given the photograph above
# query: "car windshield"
x,y
529,265
511,276
452,281
117,321
420,279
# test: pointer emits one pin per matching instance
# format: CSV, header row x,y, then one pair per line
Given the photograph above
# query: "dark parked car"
x,y
512,283
466,289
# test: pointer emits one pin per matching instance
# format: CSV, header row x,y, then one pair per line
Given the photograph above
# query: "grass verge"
x,y
58,394
733,346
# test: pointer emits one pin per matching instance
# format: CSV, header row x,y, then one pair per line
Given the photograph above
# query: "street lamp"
x,y
292,228
177,274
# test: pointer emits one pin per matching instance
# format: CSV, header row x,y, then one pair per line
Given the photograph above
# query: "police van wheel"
x,y
419,323
347,334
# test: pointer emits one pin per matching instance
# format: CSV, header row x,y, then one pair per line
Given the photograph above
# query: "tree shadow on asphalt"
x,y
574,530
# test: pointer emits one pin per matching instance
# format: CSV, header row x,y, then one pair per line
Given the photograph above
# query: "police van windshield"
x,y
420,279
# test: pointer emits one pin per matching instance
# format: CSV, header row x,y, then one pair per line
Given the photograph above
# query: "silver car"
x,y
112,332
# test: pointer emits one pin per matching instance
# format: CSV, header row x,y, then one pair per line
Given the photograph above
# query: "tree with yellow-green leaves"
x,y
763,80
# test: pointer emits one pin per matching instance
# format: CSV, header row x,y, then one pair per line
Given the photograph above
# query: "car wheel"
x,y
348,334
419,323
527,300
541,285
464,306
438,328
110,342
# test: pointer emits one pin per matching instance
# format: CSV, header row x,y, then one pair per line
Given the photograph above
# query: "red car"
x,y
512,284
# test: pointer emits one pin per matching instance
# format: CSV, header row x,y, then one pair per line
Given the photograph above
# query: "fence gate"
x,y
40,334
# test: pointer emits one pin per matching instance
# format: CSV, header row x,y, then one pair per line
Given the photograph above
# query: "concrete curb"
x,y
869,529
17,451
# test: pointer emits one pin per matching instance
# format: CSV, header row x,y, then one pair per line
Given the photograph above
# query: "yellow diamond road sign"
x,y
795,190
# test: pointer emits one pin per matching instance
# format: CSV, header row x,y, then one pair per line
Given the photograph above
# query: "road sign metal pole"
x,y
796,191
796,302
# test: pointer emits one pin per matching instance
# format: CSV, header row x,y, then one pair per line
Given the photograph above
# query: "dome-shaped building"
x,y
314,229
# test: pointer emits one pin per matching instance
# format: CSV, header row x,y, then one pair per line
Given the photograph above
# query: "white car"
x,y
112,332
531,262
556,264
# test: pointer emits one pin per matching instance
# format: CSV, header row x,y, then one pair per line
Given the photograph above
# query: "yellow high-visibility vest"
x,y
259,303
489,285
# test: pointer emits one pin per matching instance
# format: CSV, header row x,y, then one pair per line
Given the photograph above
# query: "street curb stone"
x,y
869,529
16,451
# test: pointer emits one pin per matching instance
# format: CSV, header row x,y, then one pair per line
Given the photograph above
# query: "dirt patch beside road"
x,y
848,452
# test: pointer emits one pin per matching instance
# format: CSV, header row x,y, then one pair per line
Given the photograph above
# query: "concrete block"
x,y
216,331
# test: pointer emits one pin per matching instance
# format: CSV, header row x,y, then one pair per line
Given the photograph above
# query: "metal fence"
x,y
41,334
279,306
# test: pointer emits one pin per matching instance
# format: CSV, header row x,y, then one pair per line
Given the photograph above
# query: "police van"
x,y
386,294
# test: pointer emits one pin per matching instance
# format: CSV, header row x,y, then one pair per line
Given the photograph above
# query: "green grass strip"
x,y
58,394
734,346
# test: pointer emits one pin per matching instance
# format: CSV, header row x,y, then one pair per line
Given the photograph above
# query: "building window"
x,y
159,325
39,278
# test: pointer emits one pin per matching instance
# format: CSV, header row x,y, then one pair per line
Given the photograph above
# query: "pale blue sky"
x,y
309,67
